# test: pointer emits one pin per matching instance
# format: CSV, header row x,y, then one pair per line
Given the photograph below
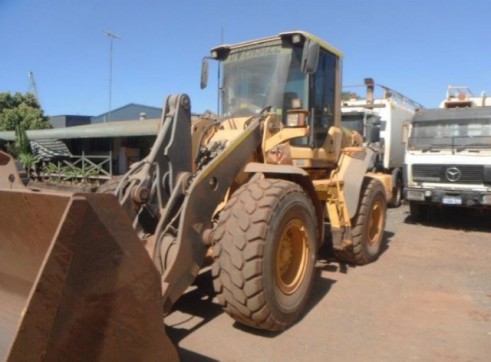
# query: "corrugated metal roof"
x,y
49,149
148,127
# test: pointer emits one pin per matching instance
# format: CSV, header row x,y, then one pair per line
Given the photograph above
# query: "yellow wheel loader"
x,y
91,276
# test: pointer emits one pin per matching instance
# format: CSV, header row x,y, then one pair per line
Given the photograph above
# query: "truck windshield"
x,y
360,122
458,135
259,76
354,121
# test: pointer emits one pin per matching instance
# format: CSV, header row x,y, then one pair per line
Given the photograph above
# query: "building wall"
x,y
69,121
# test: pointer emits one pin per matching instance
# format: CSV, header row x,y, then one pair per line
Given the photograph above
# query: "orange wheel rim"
x,y
291,256
375,222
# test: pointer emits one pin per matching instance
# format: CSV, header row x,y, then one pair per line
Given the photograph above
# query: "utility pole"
x,y
111,37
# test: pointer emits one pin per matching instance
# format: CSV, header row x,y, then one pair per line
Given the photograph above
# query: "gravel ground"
x,y
427,298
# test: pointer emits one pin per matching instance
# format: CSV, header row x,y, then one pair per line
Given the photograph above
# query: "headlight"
x,y
415,195
486,199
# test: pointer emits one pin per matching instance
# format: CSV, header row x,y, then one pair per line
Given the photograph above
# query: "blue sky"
x,y
416,47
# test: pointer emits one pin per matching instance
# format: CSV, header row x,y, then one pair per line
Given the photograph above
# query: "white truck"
x,y
391,112
448,157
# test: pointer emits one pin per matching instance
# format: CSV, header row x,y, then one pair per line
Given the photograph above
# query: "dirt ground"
x,y
427,298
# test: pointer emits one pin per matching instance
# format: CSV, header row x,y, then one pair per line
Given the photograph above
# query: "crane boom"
x,y
32,85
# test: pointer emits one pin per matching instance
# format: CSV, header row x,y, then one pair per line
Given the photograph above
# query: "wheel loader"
x,y
91,276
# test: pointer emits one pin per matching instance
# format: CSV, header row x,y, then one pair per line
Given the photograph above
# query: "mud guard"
x,y
353,167
299,176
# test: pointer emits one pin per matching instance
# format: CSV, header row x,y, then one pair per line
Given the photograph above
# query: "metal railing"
x,y
90,163
76,167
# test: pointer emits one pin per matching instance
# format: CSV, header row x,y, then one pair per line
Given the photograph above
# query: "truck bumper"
x,y
465,198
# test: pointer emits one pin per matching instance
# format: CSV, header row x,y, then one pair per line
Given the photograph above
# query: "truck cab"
x,y
448,158
381,117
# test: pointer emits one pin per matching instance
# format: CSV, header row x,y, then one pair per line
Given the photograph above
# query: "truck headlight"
x,y
415,195
486,199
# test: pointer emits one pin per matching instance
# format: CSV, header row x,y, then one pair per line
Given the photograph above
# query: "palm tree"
x,y
22,149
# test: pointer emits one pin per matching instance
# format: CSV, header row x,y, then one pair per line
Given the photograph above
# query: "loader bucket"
x,y
76,283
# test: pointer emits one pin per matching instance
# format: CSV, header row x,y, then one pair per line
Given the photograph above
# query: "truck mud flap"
x,y
76,283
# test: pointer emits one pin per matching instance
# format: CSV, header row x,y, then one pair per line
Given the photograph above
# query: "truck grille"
x,y
465,174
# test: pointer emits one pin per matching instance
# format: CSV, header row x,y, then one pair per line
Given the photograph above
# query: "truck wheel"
x,y
396,194
264,255
367,226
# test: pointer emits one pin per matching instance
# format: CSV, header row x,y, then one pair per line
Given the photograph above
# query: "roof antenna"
x,y
218,75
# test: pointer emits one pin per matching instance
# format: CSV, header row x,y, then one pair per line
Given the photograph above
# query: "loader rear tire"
x,y
264,255
396,200
368,226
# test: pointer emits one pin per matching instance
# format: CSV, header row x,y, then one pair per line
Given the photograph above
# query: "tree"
x,y
19,113
346,96
23,110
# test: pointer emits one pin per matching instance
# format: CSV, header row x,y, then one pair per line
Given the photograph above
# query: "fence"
x,y
79,167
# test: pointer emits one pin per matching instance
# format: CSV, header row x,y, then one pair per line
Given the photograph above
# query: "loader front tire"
x,y
264,255
396,200
367,226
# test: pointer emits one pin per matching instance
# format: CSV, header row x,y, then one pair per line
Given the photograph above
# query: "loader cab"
x,y
294,73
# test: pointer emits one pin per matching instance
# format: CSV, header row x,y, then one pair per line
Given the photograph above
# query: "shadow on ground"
x,y
320,288
199,305
187,355
327,261
454,218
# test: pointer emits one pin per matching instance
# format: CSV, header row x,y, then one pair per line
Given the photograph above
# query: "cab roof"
x,y
290,34
451,114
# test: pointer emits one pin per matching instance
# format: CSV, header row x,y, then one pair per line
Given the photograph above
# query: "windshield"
x,y
354,122
360,122
262,75
459,135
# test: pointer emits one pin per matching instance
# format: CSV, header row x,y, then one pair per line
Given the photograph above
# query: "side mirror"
x,y
310,56
204,73
375,121
373,134
405,132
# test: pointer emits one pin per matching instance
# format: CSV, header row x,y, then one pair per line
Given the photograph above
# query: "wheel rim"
x,y
291,256
376,221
